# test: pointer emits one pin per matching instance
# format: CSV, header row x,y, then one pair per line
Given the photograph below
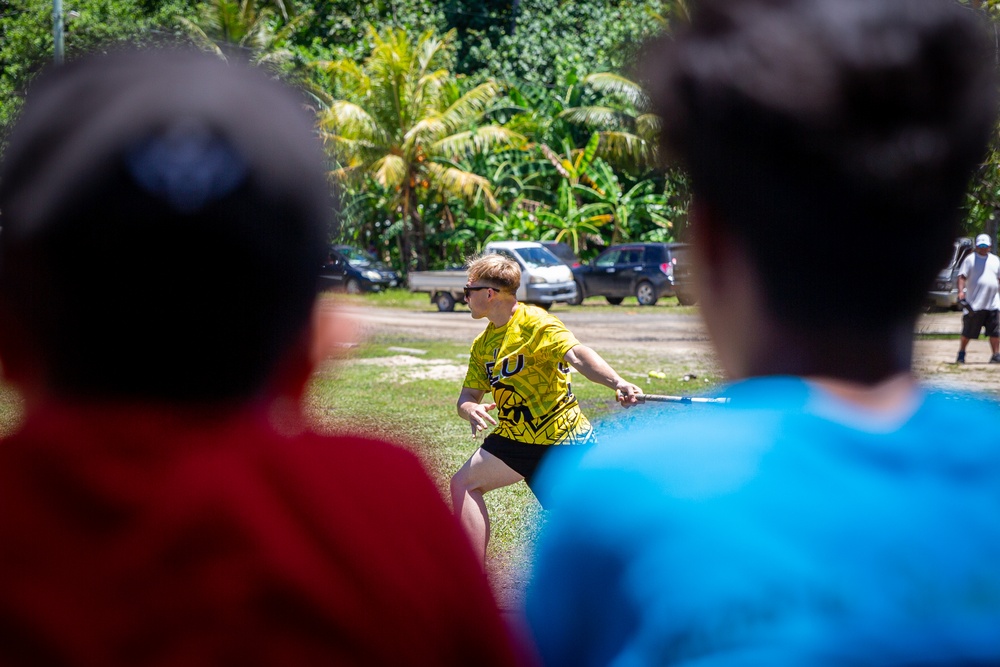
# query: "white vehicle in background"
x,y
944,292
544,278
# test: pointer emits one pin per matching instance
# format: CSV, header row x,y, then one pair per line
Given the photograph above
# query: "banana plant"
x,y
628,209
572,223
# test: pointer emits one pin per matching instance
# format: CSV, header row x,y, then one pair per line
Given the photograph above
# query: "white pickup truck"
x,y
544,279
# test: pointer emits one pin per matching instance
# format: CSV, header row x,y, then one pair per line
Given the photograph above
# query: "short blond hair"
x,y
496,269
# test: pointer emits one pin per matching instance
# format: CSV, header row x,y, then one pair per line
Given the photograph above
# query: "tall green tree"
x,y
401,118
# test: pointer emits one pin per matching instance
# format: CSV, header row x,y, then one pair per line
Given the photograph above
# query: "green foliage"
x,y
544,41
626,127
400,122
339,28
454,123
26,41
401,404
982,201
253,31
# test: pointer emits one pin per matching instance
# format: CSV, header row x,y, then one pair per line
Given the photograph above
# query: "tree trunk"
x,y
405,240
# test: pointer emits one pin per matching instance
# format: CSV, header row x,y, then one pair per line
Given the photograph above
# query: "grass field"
x,y
404,403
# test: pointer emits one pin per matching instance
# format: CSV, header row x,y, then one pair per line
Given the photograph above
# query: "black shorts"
x,y
973,322
521,457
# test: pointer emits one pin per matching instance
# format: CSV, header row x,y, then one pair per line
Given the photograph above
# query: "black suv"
x,y
354,271
642,270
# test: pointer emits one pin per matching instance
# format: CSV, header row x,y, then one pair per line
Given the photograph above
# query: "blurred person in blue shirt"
x,y
836,511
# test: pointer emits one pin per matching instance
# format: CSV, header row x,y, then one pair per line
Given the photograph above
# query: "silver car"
x,y
944,291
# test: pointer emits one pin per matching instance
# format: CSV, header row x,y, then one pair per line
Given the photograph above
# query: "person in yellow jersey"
x,y
524,359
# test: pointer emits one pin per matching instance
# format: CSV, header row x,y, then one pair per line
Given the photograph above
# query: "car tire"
x,y
686,299
353,287
578,299
444,301
614,300
645,293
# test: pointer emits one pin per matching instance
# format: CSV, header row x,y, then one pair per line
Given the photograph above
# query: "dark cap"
x,y
164,204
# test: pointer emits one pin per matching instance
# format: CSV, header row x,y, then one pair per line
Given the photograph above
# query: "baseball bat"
x,y
661,398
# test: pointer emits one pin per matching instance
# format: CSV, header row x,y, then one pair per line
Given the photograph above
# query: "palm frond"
x,y
392,55
424,132
272,57
427,93
431,50
200,38
348,74
293,24
625,147
463,184
470,106
648,126
610,83
352,151
351,121
389,171
347,175
597,116
476,141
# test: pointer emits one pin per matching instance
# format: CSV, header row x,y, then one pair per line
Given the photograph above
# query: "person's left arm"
x,y
593,367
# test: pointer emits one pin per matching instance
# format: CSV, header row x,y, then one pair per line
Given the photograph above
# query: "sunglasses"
x,y
470,290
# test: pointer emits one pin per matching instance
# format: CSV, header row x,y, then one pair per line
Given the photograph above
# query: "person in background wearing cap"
x,y
979,286
164,501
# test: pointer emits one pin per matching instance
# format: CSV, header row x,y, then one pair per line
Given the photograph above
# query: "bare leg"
x,y
482,473
963,343
995,344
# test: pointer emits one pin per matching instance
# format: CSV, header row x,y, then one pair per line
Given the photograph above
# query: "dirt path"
x,y
682,336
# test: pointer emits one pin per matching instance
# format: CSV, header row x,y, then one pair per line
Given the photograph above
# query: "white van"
x,y
545,279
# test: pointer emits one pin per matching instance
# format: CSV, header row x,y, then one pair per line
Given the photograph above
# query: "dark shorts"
x,y
520,457
973,322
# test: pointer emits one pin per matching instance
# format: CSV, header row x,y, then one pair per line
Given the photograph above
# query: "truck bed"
x,y
445,287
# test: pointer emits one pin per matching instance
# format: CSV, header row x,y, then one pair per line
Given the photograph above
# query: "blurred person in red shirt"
x,y
164,501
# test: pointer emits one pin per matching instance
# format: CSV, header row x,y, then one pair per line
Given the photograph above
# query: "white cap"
x,y
983,240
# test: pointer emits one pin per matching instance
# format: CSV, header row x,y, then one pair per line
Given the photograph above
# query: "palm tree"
x,y
627,128
246,27
400,117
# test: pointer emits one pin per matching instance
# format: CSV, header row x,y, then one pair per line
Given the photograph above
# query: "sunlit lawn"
x,y
399,403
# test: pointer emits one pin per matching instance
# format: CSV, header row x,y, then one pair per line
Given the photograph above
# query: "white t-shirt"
x,y
981,281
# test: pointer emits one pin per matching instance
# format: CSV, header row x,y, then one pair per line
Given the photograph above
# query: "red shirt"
x,y
141,537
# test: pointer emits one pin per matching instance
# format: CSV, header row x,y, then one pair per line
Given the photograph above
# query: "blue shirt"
x,y
786,528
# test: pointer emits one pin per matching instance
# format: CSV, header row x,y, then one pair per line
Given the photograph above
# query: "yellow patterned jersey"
x,y
521,364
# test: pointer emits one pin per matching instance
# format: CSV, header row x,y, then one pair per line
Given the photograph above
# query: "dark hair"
x,y
163,222
824,132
